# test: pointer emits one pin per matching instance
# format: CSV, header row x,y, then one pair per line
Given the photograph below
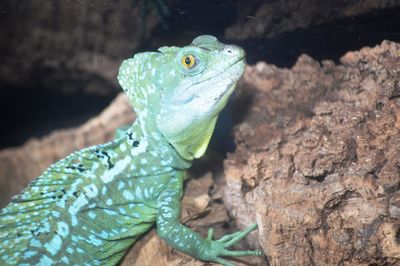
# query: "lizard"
x,y
90,207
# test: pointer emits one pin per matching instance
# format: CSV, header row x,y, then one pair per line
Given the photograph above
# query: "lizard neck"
x,y
145,138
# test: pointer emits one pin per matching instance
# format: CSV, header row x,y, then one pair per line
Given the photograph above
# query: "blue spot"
x,y
92,214
128,195
54,246
45,261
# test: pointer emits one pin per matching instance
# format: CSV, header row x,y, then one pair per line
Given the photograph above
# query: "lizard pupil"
x,y
188,61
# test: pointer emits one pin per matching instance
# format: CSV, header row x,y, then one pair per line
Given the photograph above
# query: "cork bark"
x,y
317,162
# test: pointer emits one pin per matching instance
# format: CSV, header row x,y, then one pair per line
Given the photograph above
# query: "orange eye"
x,y
188,61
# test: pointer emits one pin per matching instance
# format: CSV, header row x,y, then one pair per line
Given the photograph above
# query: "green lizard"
x,y
90,207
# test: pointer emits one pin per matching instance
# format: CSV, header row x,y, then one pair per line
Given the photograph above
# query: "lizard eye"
x,y
188,61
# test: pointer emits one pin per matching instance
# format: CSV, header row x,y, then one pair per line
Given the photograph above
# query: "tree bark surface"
x,y
317,159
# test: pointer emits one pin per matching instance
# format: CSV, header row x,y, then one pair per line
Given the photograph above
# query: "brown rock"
x,y
317,162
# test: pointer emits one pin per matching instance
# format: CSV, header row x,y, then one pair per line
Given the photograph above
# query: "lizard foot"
x,y
219,248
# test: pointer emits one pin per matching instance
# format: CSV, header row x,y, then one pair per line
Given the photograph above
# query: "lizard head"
x,y
181,90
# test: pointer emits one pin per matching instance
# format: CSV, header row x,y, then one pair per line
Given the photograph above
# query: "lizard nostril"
x,y
229,51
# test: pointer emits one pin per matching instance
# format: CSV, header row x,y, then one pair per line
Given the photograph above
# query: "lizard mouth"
x,y
232,66
223,81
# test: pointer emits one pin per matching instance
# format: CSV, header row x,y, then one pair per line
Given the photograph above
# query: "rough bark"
x,y
317,159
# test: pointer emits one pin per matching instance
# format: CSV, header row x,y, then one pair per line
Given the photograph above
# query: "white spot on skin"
x,y
122,147
45,261
103,234
146,192
75,207
35,243
62,229
60,204
139,149
29,254
155,136
151,89
165,162
121,185
94,167
143,172
91,190
138,192
128,195
120,166
65,259
95,241
54,245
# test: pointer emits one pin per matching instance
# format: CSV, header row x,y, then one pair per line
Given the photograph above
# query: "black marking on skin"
x,y
135,143
35,232
104,154
110,164
75,193
80,168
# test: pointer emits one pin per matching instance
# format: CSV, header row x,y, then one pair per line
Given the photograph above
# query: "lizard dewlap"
x,y
90,207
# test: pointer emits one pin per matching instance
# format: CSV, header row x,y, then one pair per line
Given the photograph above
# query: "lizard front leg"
x,y
184,239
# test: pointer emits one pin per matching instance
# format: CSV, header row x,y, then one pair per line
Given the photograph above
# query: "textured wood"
x,y
317,162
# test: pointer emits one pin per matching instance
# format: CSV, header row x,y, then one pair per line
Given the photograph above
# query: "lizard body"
x,y
90,207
